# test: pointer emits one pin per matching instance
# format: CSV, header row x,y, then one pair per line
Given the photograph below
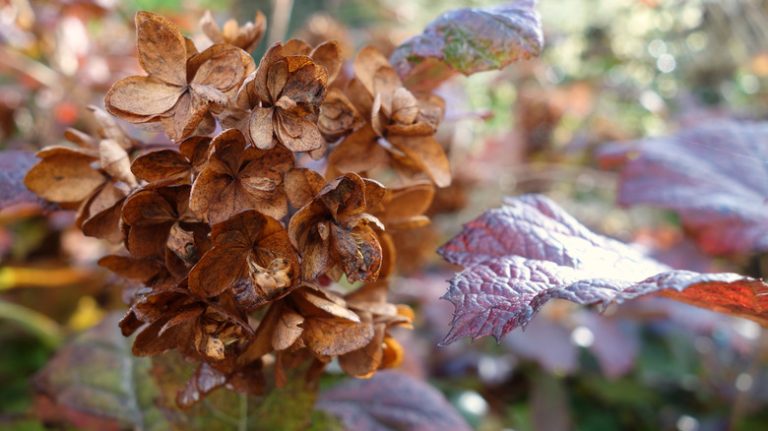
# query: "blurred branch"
x,y
29,67
743,397
14,277
39,324
281,17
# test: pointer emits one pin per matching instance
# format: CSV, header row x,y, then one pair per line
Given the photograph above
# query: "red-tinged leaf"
x,y
530,251
472,40
13,166
714,175
95,383
390,401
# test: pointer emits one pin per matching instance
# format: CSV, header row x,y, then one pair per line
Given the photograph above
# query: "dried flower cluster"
x,y
243,229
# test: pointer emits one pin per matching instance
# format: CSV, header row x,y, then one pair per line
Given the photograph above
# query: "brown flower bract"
x,y
245,37
336,234
181,85
252,256
281,101
401,130
238,178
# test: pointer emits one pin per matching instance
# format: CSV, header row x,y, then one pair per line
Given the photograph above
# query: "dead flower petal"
x,y
139,99
64,175
427,153
162,49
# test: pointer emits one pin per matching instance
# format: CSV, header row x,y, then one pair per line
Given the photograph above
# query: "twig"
x,y
281,17
743,397
39,324
34,69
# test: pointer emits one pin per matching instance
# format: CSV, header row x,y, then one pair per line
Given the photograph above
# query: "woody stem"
x,y
281,17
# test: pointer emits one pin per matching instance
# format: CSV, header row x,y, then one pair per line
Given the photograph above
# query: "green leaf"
x,y
94,382
468,41
46,329
289,408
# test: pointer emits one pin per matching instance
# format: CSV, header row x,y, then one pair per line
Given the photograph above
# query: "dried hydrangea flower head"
x,y
234,243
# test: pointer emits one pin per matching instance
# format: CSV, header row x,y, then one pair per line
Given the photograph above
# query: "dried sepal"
x,y
335,232
181,86
251,256
64,175
239,178
279,103
246,36
401,124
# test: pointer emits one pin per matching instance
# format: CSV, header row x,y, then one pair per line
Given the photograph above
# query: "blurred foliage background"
x,y
611,70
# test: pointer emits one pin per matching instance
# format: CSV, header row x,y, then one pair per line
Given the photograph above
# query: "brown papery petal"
x,y
385,83
361,363
367,64
114,160
306,85
316,258
109,129
297,134
105,225
250,34
260,128
208,191
360,252
218,270
428,154
222,66
81,139
287,330
141,96
405,107
258,86
359,96
209,94
65,176
211,28
358,152
261,344
147,207
345,196
162,49
148,240
141,270
100,215
277,76
229,151
302,185
195,149
162,165
371,293
337,115
190,116
312,303
406,203
296,47
374,193
234,239
268,162
333,336
328,55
